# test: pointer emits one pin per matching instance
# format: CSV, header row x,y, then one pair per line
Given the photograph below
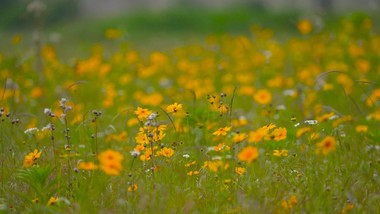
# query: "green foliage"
x,y
41,181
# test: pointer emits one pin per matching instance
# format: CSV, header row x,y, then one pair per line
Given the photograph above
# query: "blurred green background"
x,y
75,25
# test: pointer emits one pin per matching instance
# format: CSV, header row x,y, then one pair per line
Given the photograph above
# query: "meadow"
x,y
239,122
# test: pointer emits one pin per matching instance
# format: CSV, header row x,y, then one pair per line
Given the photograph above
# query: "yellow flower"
x,y
222,131
36,92
248,154
167,152
28,162
110,156
325,117
191,163
132,188
110,162
215,165
327,145
36,200
240,137
33,155
113,33
279,134
263,97
305,26
87,166
142,113
347,208
269,127
52,201
280,153
361,128
258,135
302,131
289,204
239,170
16,39
174,108
112,168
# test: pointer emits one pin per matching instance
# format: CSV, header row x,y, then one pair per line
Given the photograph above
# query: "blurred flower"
x,y
110,162
52,201
248,154
327,145
280,153
304,26
132,188
289,204
113,33
279,134
361,128
16,39
239,170
258,135
263,96
87,166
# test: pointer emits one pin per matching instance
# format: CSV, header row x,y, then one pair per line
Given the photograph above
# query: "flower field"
x,y
236,124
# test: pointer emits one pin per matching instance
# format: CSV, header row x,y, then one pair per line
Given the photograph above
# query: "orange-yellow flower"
x,y
239,170
289,204
222,131
361,128
132,188
304,26
174,108
240,137
52,201
327,145
248,154
263,97
258,135
167,152
142,113
33,155
110,162
302,131
87,166
279,134
280,153
325,117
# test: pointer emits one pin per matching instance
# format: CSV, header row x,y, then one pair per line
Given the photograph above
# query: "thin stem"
x,y
68,149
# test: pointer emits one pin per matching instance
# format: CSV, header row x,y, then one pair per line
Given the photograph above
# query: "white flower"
x,y
334,117
289,92
311,122
186,155
216,158
67,109
31,131
152,116
62,102
281,107
297,124
49,126
47,111
63,115
135,153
